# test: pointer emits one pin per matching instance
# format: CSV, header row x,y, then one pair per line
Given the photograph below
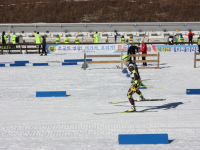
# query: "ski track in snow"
x,y
68,123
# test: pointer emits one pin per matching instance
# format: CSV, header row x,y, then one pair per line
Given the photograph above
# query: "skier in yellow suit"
x,y
133,71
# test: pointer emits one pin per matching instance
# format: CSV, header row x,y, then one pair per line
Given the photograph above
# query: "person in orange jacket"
x,y
144,51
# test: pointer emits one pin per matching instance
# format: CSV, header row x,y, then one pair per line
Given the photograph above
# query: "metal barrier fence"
x,y
11,47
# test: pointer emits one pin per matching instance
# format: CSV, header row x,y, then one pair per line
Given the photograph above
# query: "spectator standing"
x,y
38,38
67,40
131,39
198,42
44,46
14,38
190,37
170,40
131,50
58,40
122,39
3,38
175,39
115,34
144,51
96,37
181,39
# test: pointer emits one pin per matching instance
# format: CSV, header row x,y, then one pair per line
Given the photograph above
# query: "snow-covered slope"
x,y
69,123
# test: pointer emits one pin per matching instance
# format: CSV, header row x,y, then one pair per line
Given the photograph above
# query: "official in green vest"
x,y
66,40
58,40
122,39
131,39
13,37
76,40
198,42
38,39
181,39
3,38
96,37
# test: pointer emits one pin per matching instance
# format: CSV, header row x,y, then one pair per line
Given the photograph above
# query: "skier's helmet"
x,y
125,57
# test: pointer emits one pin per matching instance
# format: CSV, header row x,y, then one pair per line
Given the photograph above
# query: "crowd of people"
x,y
179,38
132,49
172,39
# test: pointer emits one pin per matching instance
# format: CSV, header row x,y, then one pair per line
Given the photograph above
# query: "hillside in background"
x,y
60,11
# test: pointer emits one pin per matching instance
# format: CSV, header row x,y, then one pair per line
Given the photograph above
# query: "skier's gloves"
x,y
124,71
127,75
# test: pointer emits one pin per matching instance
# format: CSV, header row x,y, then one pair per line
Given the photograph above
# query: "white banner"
x,y
87,48
172,48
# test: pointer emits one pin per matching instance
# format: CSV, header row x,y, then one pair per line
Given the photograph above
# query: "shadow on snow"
x,y
164,107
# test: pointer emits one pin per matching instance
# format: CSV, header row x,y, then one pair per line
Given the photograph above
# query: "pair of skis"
x,y
123,112
130,111
137,101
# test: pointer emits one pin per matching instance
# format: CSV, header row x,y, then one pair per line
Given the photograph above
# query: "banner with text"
x,y
172,48
87,48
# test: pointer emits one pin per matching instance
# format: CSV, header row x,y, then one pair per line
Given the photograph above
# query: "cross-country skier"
x,y
133,71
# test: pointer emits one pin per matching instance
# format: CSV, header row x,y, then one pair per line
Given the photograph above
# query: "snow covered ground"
x,y
69,123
